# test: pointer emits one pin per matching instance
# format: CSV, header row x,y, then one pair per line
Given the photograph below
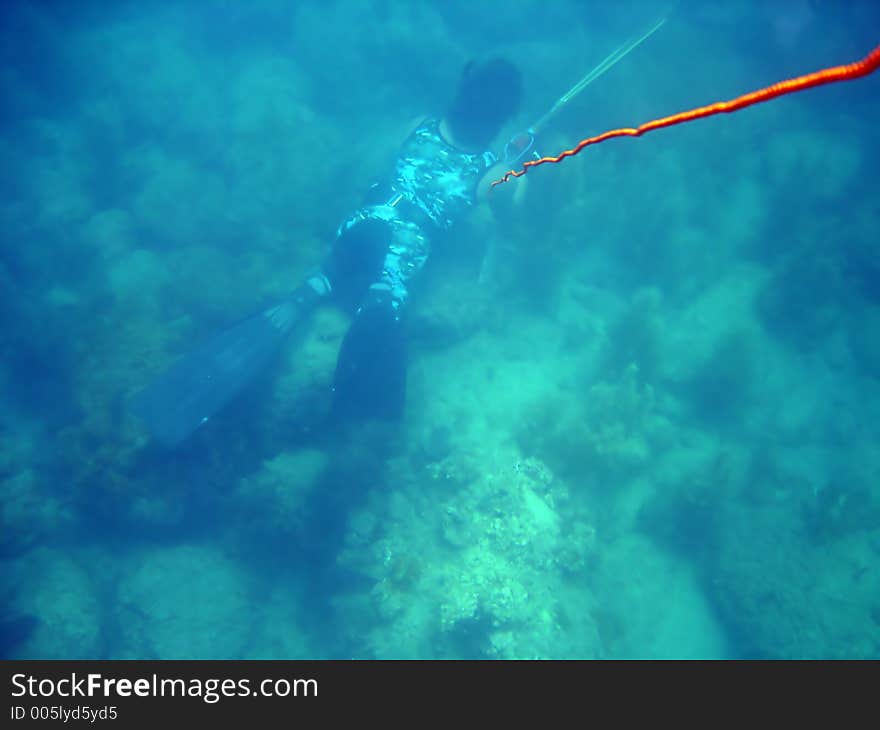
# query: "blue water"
x,y
643,404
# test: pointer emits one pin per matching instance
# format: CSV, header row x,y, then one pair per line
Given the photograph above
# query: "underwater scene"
x,y
625,406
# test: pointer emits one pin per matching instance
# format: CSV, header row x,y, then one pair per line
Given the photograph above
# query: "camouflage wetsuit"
x,y
387,241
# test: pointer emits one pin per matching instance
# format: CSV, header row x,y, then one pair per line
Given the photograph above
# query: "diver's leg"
x,y
370,379
356,259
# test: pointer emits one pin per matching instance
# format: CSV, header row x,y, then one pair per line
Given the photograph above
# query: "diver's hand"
x,y
511,192
520,147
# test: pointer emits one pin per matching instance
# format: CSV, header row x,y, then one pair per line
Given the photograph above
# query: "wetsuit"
x,y
380,248
431,185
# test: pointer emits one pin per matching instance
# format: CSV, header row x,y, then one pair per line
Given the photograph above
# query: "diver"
x,y
444,167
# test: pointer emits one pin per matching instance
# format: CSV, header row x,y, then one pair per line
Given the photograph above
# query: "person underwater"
x,y
444,168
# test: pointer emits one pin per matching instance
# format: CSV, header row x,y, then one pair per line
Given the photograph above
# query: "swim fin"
x,y
198,385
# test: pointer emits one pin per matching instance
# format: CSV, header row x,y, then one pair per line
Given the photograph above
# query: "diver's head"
x,y
488,95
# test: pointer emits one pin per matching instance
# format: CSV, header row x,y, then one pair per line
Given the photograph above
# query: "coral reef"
x,y
62,593
183,602
643,401
475,562
272,501
32,511
781,598
603,437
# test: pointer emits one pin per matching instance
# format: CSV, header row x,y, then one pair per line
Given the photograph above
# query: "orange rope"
x,y
856,70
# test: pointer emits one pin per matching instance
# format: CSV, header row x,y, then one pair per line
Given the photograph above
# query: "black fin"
x,y
201,383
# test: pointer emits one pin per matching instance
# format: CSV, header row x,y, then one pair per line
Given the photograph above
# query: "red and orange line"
x,y
849,71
